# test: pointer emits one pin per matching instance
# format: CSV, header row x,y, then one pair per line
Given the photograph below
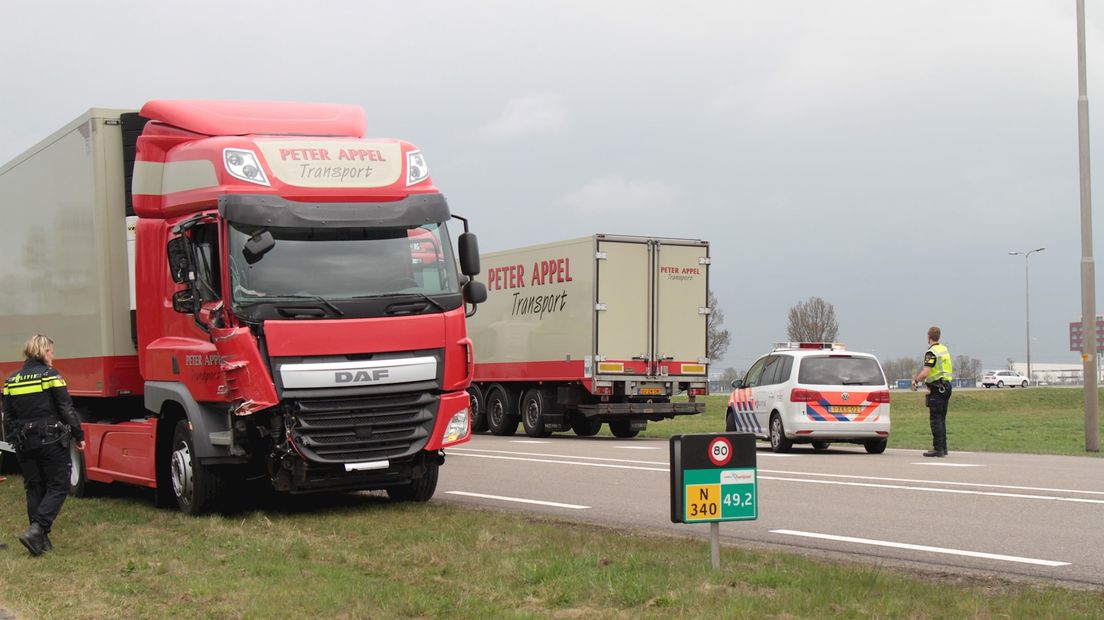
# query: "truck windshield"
x,y
328,266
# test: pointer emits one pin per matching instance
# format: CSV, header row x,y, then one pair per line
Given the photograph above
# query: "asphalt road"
x,y
1011,515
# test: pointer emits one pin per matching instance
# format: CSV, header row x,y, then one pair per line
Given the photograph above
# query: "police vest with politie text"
x,y
45,411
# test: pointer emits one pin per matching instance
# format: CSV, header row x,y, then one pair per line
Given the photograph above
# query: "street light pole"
x,y
1027,306
1088,265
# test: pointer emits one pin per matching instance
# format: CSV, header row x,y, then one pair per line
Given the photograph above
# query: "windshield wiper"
x,y
411,294
278,298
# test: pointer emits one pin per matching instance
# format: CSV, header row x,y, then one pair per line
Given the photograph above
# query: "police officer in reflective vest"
x,y
936,376
39,419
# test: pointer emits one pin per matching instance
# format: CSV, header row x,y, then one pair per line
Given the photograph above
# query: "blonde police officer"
x,y
936,376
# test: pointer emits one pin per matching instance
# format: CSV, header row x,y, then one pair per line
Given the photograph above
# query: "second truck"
x,y
605,329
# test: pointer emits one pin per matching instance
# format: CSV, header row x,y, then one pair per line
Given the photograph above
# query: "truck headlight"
x,y
457,427
243,164
416,168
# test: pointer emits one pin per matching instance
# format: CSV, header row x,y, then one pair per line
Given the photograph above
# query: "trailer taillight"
x,y
697,391
603,390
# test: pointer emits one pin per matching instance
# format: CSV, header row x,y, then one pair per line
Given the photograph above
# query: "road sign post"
x,y
713,479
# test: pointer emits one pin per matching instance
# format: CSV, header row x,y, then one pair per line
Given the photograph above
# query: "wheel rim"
x,y
495,414
532,413
1000,384
74,465
182,472
776,431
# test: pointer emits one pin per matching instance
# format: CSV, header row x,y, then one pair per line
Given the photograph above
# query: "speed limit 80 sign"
x,y
713,478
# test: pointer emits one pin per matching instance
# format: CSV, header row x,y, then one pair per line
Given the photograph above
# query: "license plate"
x,y
846,409
651,391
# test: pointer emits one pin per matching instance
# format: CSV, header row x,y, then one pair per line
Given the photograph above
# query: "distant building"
x,y
1054,374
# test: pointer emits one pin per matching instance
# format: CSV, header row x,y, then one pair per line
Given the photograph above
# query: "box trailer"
x,y
242,291
606,328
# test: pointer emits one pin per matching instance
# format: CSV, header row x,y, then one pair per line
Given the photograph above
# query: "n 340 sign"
x,y
713,478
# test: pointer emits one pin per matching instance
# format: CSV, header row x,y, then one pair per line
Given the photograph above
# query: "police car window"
x,y
752,377
786,368
840,370
770,371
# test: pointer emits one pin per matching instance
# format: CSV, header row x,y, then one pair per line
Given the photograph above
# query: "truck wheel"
x,y
623,429
478,415
78,475
532,413
584,426
419,489
501,418
195,486
876,446
778,440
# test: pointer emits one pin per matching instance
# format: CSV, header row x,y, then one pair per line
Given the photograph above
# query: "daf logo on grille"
x,y
845,396
361,376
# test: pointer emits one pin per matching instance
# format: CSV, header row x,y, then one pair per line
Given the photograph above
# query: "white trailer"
x,y
575,333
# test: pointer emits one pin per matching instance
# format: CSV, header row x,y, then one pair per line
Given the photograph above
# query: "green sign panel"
x,y
720,495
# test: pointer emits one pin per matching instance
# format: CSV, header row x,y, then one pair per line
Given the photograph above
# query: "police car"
x,y
812,392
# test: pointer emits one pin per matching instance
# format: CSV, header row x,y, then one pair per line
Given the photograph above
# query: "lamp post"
x,y
1027,305
1088,264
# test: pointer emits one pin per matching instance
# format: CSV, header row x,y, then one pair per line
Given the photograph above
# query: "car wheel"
x,y
876,446
478,415
987,385
1000,384
821,445
501,417
1024,384
532,413
778,440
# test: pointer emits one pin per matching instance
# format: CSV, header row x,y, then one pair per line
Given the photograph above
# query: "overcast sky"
x,y
885,156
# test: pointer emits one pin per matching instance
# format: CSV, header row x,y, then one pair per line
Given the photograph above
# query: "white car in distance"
x,y
1003,378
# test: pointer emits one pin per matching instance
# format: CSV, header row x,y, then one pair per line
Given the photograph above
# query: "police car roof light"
x,y
825,346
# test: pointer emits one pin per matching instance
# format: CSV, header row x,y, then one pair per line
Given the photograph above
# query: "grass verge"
x,y
360,556
1034,421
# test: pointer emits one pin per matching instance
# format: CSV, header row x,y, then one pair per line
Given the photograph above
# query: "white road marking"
x,y
943,482
934,490
528,441
556,461
519,500
947,464
897,545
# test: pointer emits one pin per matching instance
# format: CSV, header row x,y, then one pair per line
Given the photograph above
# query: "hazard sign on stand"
x,y
713,478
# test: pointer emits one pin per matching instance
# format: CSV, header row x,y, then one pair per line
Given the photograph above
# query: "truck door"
x,y
623,293
682,293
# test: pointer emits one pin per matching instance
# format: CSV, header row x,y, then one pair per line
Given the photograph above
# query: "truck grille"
x,y
356,430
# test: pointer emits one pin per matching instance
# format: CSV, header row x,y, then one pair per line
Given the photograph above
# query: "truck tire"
x,y
79,486
584,426
195,485
623,429
478,415
501,417
419,489
533,407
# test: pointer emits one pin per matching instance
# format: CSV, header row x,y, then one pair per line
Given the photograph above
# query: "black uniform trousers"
x,y
46,471
937,413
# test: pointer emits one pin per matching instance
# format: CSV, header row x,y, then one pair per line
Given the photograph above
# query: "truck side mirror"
x,y
475,292
469,254
179,265
184,301
258,245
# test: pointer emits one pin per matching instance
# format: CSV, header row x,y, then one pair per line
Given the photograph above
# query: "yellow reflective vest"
x,y
942,368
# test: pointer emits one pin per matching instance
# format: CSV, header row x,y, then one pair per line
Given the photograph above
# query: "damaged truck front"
x,y
297,313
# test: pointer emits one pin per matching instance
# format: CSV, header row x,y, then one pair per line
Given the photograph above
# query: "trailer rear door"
x,y
623,297
682,291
